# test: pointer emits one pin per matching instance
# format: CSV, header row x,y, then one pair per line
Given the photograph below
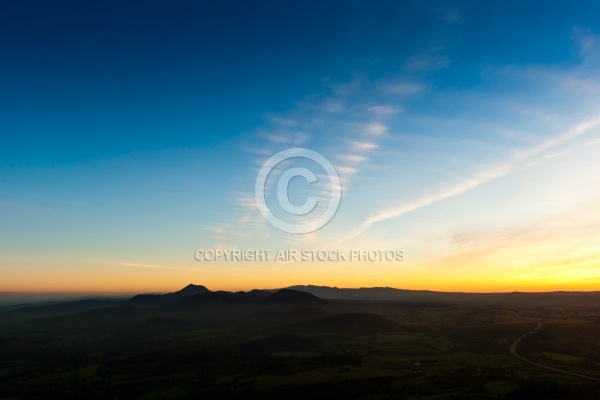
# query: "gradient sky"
x,y
466,134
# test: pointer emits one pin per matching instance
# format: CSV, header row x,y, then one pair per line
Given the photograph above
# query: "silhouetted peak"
x,y
191,290
259,293
293,296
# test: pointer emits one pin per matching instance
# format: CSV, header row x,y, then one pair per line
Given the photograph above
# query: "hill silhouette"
x,y
149,300
189,290
218,297
295,297
68,307
157,300
282,307
428,296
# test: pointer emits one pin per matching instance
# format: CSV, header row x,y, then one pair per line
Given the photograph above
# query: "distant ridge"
x,y
428,296
197,294
155,300
305,295
189,290
67,307
290,296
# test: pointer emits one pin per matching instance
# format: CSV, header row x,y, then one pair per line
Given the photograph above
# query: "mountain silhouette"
x,y
189,290
257,293
427,296
218,297
297,304
68,307
295,297
157,300
149,300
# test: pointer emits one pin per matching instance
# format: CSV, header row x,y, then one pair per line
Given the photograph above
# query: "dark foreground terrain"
x,y
291,344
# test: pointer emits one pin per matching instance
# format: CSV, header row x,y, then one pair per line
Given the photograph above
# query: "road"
x,y
514,352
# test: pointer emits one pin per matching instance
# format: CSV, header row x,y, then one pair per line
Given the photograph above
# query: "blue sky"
x,y
465,133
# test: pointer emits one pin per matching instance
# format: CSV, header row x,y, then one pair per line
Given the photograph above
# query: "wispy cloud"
x,y
289,137
431,59
381,110
352,158
362,146
518,160
375,129
403,89
356,121
588,42
352,133
544,247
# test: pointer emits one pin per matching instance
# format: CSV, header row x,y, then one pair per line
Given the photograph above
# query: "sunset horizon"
x,y
471,148
287,199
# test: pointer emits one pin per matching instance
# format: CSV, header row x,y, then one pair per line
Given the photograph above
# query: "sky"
x,y
465,134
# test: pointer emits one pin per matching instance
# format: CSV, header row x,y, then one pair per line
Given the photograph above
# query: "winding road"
x,y
514,352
